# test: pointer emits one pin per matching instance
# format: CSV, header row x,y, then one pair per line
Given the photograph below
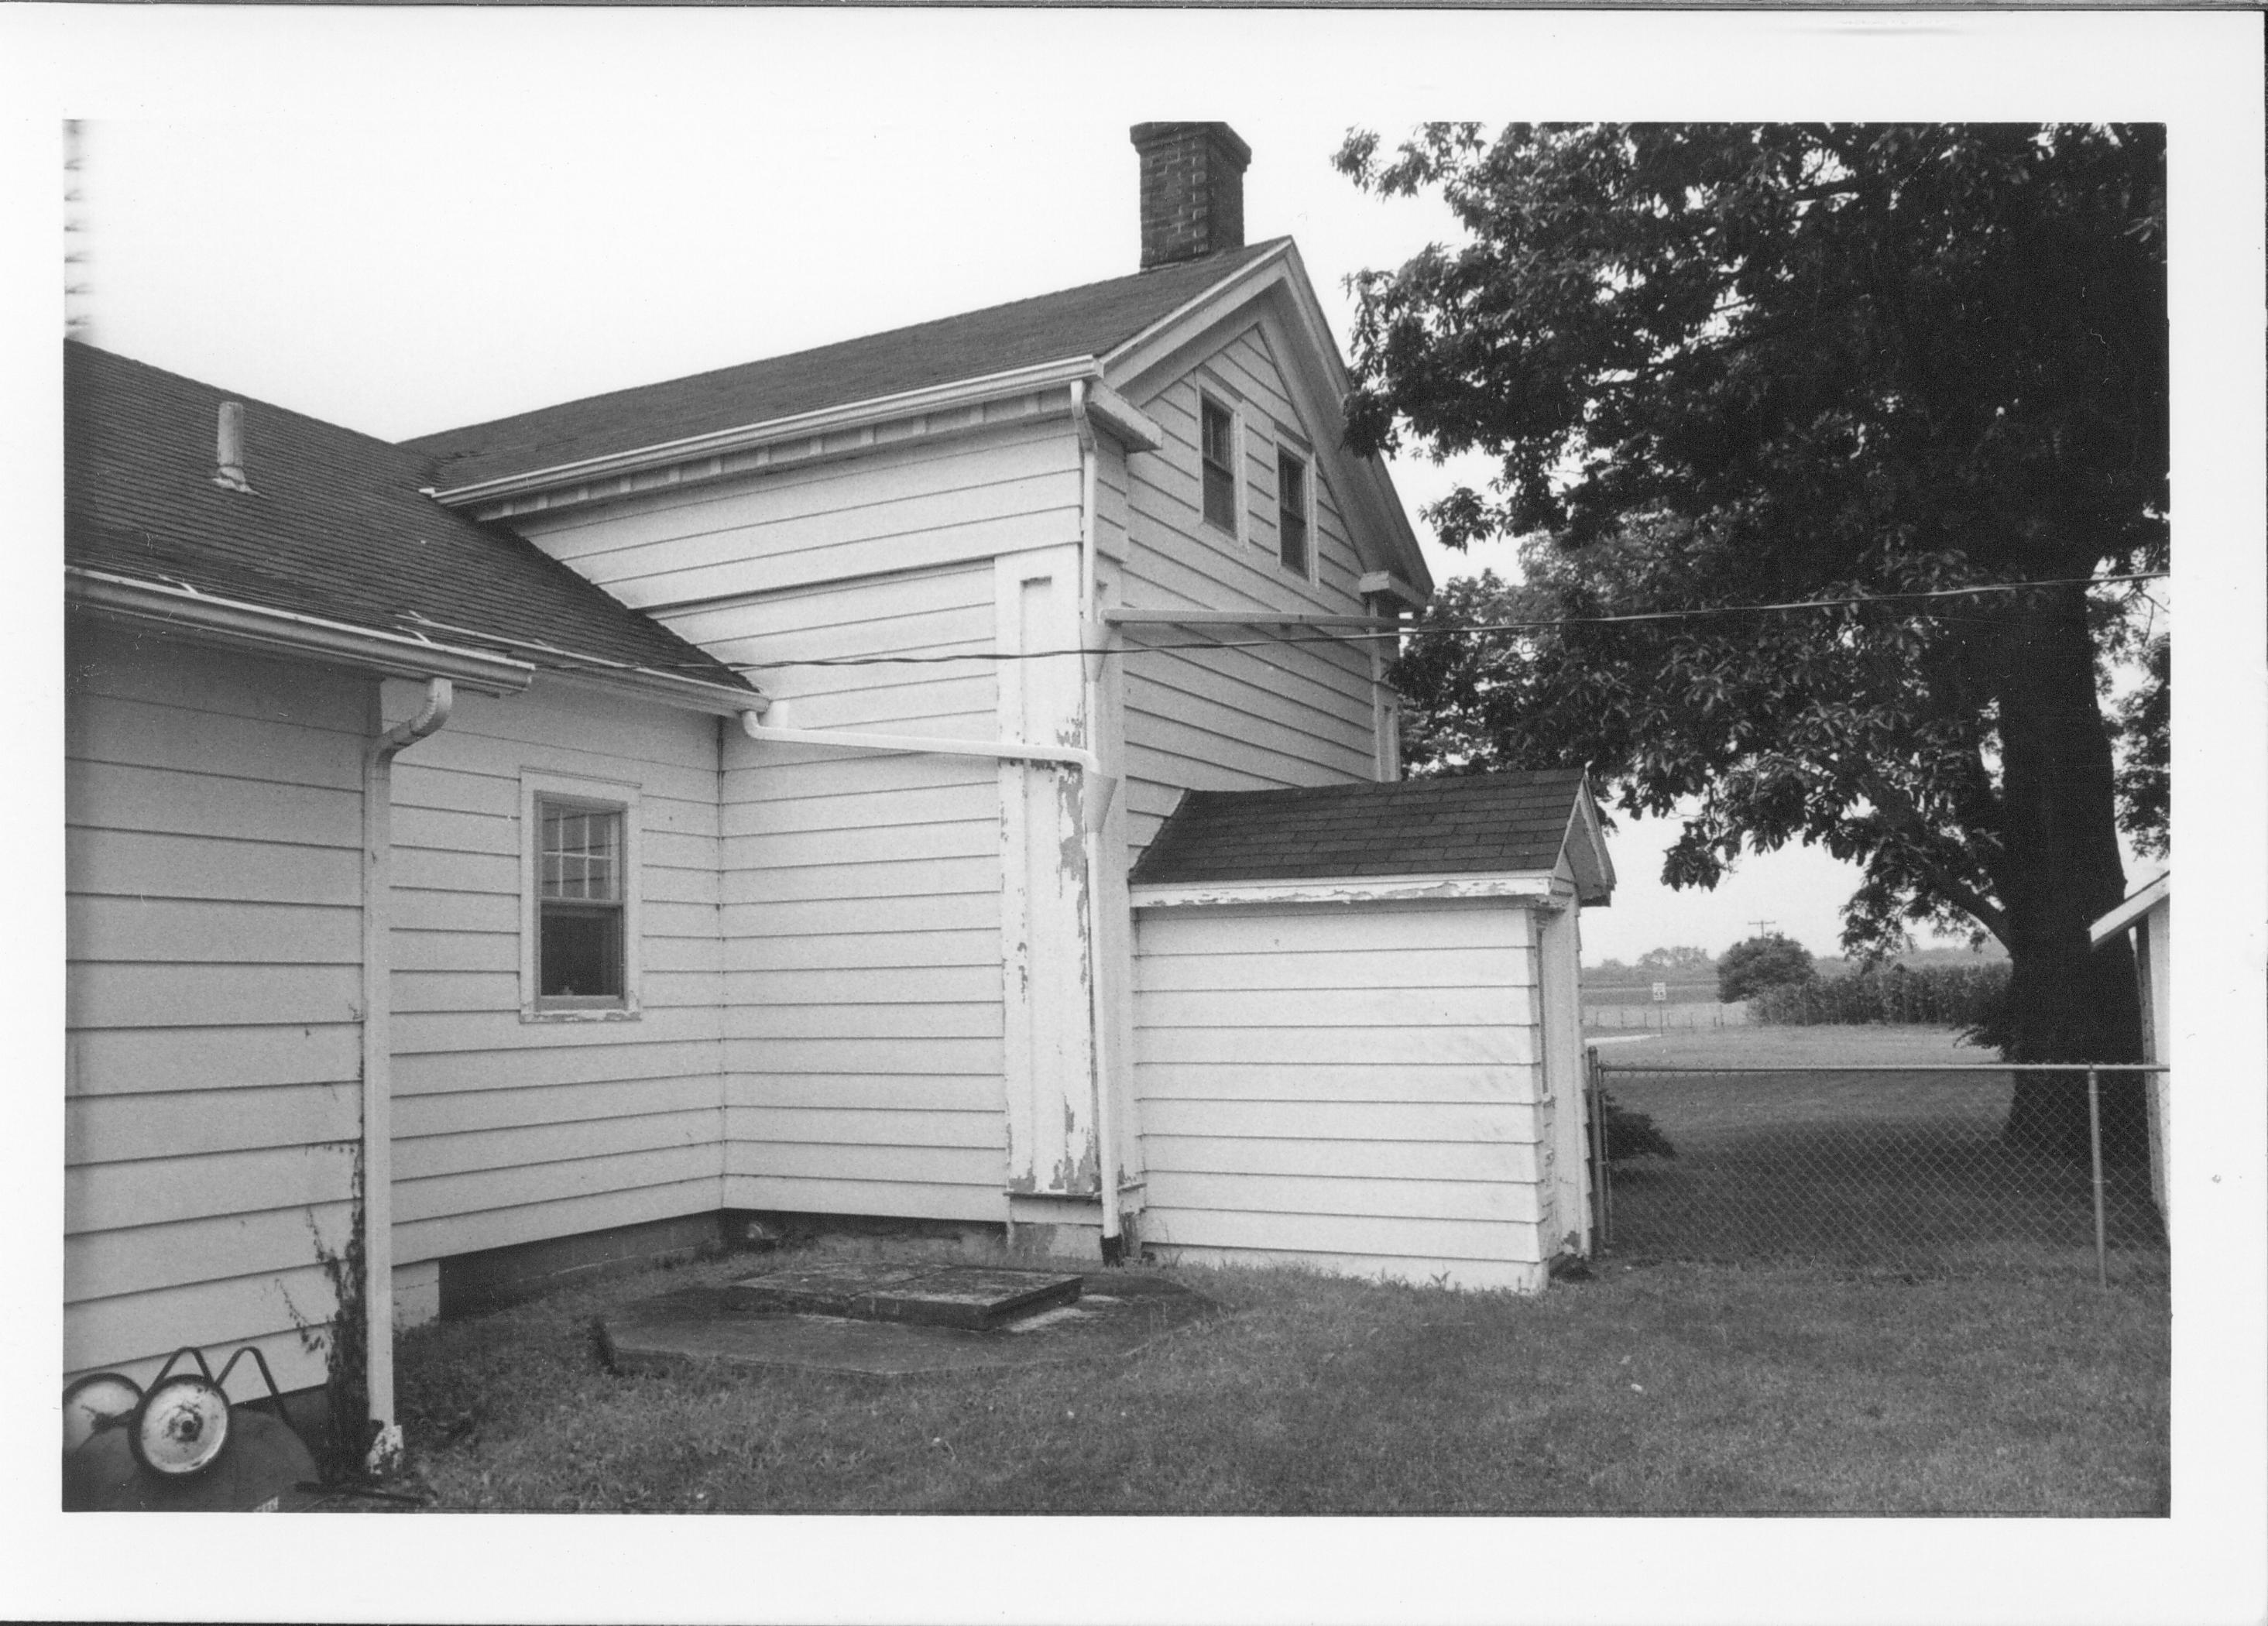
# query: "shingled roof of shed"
x,y
1509,822
333,527
1090,320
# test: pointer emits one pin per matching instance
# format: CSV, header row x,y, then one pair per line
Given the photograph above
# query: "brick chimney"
x,y
1192,190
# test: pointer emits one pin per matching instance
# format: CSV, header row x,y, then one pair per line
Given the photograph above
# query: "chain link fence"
x,y
1913,1170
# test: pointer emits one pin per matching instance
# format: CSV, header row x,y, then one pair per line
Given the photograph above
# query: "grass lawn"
x,y
1658,1389
1854,1168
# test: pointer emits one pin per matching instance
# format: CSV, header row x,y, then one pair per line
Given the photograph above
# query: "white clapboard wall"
x,y
861,892
509,1131
213,1115
1355,1088
1233,720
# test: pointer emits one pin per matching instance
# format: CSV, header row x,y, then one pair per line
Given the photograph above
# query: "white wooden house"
x,y
540,841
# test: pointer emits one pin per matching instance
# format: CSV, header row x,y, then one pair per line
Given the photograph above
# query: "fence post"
x,y
2095,1148
1601,1210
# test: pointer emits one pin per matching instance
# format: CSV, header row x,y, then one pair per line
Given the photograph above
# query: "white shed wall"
x,y
213,889
1354,1087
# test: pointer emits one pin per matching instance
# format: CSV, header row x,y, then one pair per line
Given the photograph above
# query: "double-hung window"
x,y
579,951
1217,455
1292,512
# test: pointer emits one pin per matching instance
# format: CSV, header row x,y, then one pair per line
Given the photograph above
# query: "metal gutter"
x,y
648,682
741,437
182,608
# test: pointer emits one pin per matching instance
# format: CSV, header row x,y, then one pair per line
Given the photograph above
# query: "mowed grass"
x,y
1664,1389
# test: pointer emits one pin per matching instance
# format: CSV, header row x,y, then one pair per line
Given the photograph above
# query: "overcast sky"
x,y
775,181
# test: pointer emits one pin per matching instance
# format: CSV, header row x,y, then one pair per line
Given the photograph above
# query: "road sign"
x,y
1660,993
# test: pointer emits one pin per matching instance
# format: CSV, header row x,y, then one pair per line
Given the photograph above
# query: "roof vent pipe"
x,y
229,454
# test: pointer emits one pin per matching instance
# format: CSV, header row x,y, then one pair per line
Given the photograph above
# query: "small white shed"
x,y
2148,913
1357,1027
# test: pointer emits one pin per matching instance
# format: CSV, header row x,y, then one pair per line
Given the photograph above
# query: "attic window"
x,y
1217,451
1292,512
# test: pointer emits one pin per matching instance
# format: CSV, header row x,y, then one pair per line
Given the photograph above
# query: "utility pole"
x,y
1761,924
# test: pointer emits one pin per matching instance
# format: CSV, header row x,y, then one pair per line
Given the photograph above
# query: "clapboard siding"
x,y
213,895
197,1122
1355,1087
564,1207
861,903
1228,718
285,1313
924,503
502,1127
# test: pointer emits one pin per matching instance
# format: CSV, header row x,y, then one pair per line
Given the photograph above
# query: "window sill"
x,y
612,1014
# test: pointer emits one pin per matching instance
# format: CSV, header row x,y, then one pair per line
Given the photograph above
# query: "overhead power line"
x,y
1430,629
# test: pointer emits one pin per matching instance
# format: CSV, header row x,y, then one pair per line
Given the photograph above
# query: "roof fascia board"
x,y
2131,910
664,689
185,612
1531,887
1277,283
1583,821
1134,356
747,437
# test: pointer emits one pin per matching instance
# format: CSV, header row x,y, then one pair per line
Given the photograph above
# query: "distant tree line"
x,y
1776,976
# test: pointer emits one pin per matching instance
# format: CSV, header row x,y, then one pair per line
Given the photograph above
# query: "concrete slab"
x,y
1116,1313
974,1297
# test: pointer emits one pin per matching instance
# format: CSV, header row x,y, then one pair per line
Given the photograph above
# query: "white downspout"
x,y
377,1059
1095,807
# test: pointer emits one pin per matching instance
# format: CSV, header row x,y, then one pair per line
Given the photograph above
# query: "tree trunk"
x,y
2059,872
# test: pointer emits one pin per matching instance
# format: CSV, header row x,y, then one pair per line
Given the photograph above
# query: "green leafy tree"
x,y
1750,967
1724,365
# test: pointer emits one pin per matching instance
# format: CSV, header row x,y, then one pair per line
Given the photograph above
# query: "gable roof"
x,y
334,527
1510,822
1089,321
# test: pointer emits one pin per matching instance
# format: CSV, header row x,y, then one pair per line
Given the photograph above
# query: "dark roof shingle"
x,y
1496,823
1077,321
333,527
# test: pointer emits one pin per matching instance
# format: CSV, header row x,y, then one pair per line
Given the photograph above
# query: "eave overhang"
x,y
186,612
847,429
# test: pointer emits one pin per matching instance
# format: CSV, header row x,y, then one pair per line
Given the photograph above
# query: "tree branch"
x,y
1898,806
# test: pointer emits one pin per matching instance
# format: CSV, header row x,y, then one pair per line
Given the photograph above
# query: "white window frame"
x,y
534,787
1287,447
1236,527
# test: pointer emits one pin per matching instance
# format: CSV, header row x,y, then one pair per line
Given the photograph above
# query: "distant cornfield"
x,y
1942,996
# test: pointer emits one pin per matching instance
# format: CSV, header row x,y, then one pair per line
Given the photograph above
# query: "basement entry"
x,y
898,1318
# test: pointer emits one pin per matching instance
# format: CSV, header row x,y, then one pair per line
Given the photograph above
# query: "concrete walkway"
x,y
1117,1313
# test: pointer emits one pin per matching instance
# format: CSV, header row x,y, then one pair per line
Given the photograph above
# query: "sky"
x,y
399,218
400,276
